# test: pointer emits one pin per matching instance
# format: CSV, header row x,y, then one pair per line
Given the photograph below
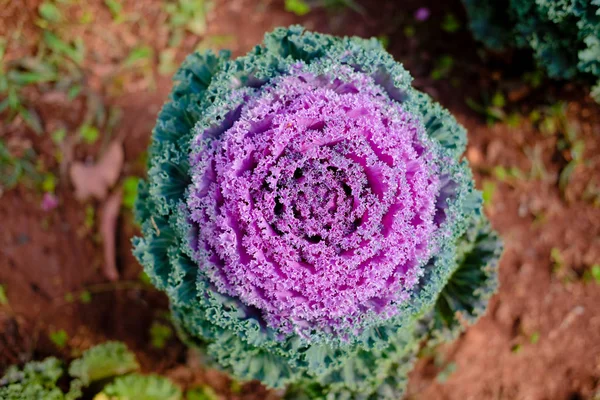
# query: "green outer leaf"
x,y
471,285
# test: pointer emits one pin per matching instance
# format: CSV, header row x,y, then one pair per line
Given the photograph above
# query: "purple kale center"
x,y
317,206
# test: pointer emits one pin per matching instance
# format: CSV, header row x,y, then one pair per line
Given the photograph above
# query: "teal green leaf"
x,y
50,12
59,338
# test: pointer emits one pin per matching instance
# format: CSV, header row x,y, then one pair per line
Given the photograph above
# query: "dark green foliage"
x,y
472,283
563,34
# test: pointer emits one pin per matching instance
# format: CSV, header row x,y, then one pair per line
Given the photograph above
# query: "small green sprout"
x,y
49,183
595,271
59,338
450,23
50,12
498,100
89,134
445,373
215,42
557,259
535,116
160,334
236,386
534,78
3,297
507,174
90,217
141,55
513,120
489,189
443,67
85,297
59,135
115,7
492,113
86,18
144,278
166,62
384,40
203,392
187,14
593,274
75,51
74,91
130,185
298,7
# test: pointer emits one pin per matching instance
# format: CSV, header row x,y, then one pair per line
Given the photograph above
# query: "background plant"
x,y
108,371
563,35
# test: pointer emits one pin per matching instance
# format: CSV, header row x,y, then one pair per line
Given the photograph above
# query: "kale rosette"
x,y
310,218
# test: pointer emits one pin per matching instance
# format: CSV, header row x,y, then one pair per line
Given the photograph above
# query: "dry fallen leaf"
x,y
108,225
95,180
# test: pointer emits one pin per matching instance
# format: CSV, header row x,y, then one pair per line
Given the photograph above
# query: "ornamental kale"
x,y
310,217
40,379
564,35
109,367
37,380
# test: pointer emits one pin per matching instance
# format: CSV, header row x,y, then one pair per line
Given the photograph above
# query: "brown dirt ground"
x,y
44,255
